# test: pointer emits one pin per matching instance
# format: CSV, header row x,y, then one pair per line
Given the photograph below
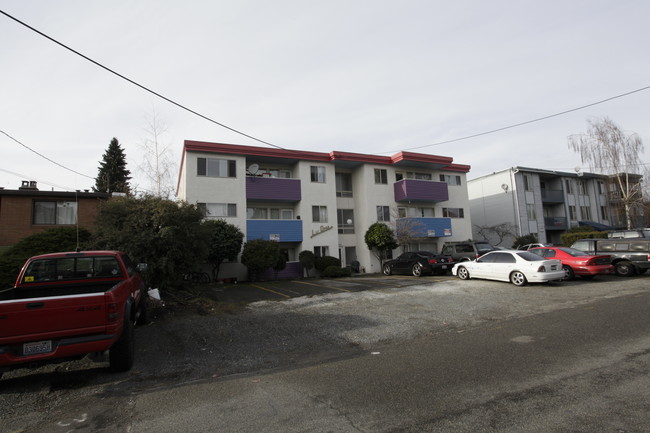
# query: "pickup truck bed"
x,y
55,290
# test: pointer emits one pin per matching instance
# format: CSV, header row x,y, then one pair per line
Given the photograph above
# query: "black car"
x,y
417,263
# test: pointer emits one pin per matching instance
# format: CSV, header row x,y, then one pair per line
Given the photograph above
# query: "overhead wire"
x,y
171,101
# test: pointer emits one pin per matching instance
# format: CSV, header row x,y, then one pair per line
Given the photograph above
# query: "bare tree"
x,y
408,230
609,150
158,164
500,231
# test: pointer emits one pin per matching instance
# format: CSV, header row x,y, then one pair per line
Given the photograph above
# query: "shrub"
x,y
569,238
322,263
520,241
336,272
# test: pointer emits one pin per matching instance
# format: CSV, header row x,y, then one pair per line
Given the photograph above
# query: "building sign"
x,y
431,233
274,237
322,229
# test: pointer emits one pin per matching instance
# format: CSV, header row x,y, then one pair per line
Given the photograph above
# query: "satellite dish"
x,y
578,172
253,168
504,187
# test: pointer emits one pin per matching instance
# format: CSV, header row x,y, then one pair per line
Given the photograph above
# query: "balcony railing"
x,y
552,196
555,223
423,227
415,190
272,189
274,230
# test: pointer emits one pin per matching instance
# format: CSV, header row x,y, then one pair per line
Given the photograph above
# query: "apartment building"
x,y
543,202
325,202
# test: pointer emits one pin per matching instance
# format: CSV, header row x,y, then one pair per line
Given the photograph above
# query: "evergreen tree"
x,y
113,175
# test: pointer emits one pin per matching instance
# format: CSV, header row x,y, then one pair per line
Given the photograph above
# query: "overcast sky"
x,y
372,76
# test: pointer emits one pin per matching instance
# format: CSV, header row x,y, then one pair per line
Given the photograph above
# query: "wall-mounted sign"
x,y
322,229
274,237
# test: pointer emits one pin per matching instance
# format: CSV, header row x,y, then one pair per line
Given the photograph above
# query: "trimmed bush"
x,y
322,263
336,272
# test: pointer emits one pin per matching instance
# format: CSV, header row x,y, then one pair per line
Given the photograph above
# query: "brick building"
x,y
27,210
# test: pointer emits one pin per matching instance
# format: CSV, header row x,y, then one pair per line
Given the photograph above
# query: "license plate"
x,y
37,347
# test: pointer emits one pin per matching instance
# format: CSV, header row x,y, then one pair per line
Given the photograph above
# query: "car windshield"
x,y
530,257
484,247
573,252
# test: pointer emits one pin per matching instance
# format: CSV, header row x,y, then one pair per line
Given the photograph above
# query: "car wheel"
x,y
568,273
463,273
416,270
518,278
387,270
624,269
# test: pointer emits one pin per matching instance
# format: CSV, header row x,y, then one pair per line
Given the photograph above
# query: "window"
x,y
453,212
581,187
319,214
216,210
530,212
381,176
401,212
426,212
383,213
601,187
345,219
569,187
419,176
318,173
276,172
55,212
572,213
322,251
585,211
604,214
343,185
399,176
527,183
450,179
213,167
263,213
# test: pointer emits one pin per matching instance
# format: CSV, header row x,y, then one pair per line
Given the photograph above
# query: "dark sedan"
x,y
417,263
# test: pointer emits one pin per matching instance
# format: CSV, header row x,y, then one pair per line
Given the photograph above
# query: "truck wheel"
x,y
624,269
122,354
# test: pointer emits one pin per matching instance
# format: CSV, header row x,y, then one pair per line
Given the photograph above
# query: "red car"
x,y
575,262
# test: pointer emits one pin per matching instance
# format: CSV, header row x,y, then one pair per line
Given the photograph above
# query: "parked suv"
x,y
467,250
629,256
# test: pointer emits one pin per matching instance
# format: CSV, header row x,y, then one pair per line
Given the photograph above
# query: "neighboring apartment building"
x,y
543,202
27,210
325,202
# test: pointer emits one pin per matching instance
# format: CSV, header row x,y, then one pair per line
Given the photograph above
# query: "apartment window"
x,y
319,214
216,210
527,183
381,176
55,212
321,251
343,185
569,186
572,213
450,179
383,213
263,213
345,219
318,173
530,212
213,167
402,212
453,212
419,176
276,172
601,187
581,188
604,214
585,211
399,176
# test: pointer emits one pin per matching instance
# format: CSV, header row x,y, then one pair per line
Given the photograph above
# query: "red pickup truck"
x,y
68,305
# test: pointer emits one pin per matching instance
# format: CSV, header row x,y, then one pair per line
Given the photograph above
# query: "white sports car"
x,y
518,267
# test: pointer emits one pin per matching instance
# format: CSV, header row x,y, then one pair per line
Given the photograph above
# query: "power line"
x,y
45,157
138,84
492,131
40,181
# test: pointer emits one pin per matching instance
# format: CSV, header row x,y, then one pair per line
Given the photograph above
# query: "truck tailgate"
x,y
47,317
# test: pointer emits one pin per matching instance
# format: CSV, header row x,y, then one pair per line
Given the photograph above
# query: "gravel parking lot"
x,y
357,317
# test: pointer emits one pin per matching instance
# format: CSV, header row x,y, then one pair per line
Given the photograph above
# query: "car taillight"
x,y
541,269
112,313
433,261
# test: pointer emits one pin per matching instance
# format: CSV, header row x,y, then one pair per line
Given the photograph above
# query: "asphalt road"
x,y
441,356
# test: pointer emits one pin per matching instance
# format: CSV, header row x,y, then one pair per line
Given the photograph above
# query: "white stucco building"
x,y
325,202
541,202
